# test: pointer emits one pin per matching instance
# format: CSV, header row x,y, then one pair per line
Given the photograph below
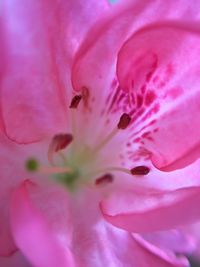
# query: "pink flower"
x,y
119,149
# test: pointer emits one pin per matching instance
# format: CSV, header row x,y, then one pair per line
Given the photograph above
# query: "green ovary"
x,y
82,164
69,179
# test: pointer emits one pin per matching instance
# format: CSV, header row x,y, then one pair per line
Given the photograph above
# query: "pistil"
x,y
33,165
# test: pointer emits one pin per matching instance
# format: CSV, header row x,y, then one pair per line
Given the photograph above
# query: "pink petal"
x,y
162,210
173,240
7,245
37,234
32,88
95,62
36,53
164,257
97,243
12,171
81,15
167,181
165,75
13,159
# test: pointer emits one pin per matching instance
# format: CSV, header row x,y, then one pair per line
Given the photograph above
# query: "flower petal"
x,y
95,62
162,210
164,257
36,52
12,162
174,240
166,181
34,234
32,86
164,74
7,245
94,240
13,159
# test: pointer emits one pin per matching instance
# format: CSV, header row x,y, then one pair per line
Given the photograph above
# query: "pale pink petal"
x,y
97,243
13,158
177,241
80,17
159,180
32,88
168,257
12,161
164,76
7,245
94,65
131,210
37,42
36,231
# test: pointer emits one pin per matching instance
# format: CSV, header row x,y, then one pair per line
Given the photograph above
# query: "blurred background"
x,y
194,263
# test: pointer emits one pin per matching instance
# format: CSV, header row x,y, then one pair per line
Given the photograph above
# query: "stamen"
x,y
124,121
140,170
75,101
62,156
106,140
109,169
59,142
105,179
73,106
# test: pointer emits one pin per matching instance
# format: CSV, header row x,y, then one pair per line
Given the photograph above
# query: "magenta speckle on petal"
x,y
139,101
143,89
149,98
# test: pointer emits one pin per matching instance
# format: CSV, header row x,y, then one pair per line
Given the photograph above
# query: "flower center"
x,y
81,164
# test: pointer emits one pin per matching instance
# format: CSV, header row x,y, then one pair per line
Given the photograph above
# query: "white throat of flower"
x,y
79,165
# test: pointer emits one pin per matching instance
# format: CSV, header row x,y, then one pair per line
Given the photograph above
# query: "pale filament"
x,y
115,169
62,156
73,121
51,157
54,170
105,141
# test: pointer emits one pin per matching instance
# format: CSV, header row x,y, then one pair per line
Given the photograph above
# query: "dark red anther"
x,y
75,101
124,121
61,141
105,179
140,170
